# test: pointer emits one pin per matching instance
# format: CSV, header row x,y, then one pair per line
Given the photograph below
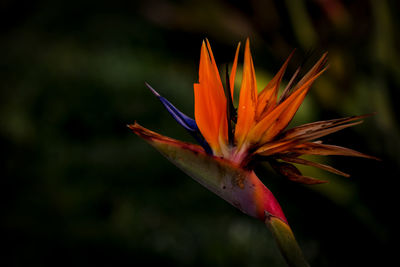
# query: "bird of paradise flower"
x,y
233,139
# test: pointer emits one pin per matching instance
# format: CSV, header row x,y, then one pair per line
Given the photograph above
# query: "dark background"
x,y
79,189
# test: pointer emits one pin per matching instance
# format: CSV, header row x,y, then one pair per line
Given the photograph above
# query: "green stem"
x,y
286,241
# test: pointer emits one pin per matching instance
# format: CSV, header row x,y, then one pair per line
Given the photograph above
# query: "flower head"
x,y
233,139
255,130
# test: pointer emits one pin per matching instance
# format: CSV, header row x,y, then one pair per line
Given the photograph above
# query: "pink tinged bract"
x,y
238,186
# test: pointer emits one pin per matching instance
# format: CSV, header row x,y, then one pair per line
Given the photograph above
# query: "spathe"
x,y
238,186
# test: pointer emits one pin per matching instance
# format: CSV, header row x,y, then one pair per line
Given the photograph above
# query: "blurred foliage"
x,y
78,188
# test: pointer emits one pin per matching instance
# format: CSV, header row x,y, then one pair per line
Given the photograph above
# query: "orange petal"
x,y
286,145
313,71
314,164
314,148
268,96
279,118
210,101
276,147
293,174
233,71
214,64
247,99
288,87
314,127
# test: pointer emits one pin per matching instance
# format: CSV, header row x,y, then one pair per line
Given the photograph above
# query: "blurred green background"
x,y
79,189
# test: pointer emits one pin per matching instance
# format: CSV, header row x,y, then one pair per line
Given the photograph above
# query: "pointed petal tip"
x,y
185,121
247,44
133,126
136,128
323,58
152,89
374,158
291,54
146,134
367,115
208,47
163,142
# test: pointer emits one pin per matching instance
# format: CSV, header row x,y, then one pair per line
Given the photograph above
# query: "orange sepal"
x,y
268,96
316,148
247,99
299,135
233,71
313,164
313,71
279,118
210,101
293,174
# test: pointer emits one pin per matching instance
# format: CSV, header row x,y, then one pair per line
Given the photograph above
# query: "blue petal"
x,y
185,121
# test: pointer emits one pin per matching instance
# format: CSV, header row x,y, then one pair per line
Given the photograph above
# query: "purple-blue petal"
x,y
185,121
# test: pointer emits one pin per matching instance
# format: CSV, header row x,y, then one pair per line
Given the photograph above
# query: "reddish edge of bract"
x,y
240,187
